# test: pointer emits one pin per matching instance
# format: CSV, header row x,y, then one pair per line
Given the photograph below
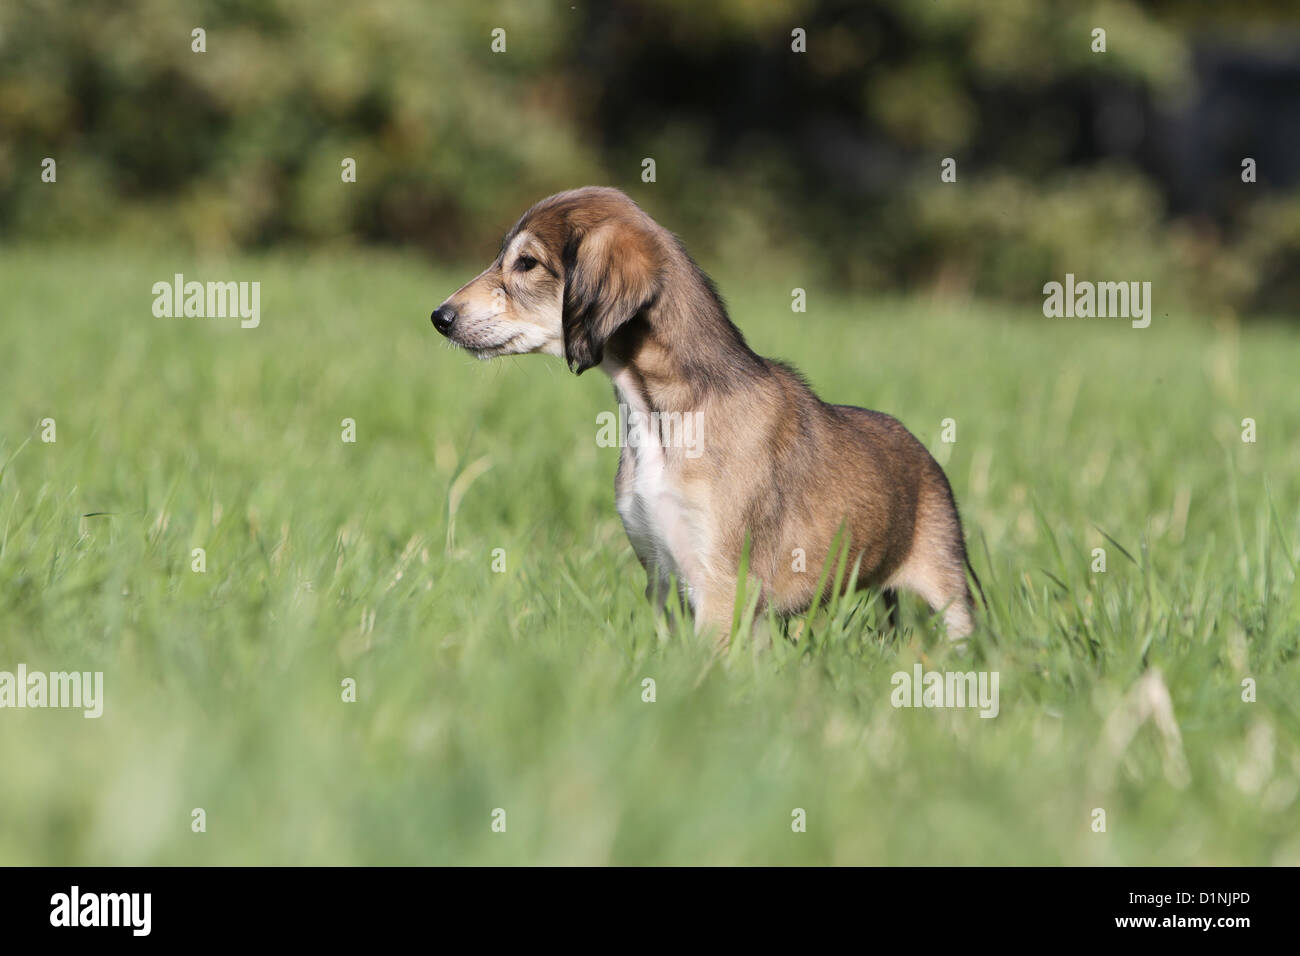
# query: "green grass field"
x,y
522,690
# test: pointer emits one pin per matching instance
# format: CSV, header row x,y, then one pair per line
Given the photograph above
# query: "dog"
x,y
588,276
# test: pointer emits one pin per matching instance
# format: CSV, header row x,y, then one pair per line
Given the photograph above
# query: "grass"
x,y
522,690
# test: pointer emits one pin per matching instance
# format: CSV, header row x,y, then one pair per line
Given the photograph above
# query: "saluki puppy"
x,y
588,276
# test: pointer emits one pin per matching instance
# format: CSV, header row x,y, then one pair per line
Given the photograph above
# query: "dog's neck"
x,y
675,354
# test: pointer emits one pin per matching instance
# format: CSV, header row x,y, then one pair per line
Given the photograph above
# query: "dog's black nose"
x,y
444,316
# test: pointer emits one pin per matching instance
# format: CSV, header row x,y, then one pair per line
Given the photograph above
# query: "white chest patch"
x,y
666,532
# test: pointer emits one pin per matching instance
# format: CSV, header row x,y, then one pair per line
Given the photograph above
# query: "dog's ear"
x,y
611,274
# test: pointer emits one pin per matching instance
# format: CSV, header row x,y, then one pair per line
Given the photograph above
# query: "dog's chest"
x,y
658,516
647,501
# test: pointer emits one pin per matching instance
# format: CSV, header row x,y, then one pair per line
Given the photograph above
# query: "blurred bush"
x,y
826,161
242,145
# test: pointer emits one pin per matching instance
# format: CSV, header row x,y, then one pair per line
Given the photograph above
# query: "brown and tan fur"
x,y
588,276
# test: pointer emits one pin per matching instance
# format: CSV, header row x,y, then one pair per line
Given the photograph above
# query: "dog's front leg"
x,y
658,585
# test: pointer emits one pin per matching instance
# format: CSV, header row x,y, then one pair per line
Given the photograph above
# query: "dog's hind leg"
x,y
943,587
935,568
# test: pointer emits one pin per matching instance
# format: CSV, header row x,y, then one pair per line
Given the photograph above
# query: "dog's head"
x,y
572,271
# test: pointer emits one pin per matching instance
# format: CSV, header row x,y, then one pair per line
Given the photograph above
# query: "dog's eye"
x,y
525,263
